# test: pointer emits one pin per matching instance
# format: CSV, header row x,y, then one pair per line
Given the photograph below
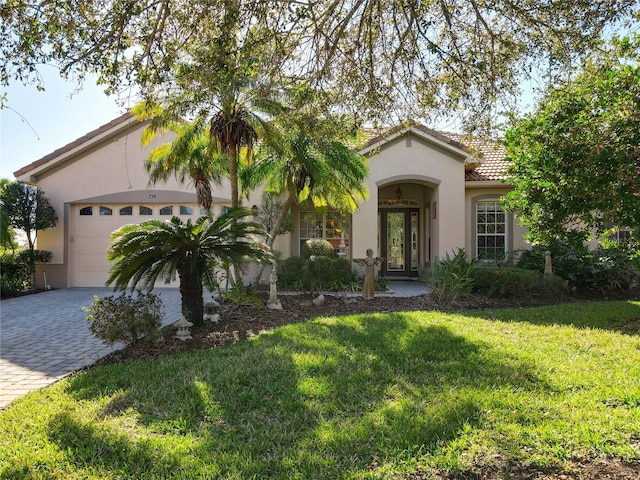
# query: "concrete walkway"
x,y
45,337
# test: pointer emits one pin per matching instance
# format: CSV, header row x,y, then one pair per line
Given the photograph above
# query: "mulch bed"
x,y
244,321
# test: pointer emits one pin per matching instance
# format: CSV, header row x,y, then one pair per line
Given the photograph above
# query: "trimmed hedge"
x,y
317,247
516,282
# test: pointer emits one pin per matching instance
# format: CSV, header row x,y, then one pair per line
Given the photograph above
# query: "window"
x,y
330,226
145,210
86,211
126,211
491,230
186,210
166,210
224,209
105,211
621,236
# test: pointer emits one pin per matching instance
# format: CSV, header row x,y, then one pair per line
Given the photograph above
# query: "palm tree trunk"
x,y
191,295
233,179
233,174
274,232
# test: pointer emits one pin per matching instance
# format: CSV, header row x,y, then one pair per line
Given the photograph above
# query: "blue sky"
x,y
37,123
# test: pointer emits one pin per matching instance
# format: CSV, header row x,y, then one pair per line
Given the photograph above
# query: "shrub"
x,y
452,277
239,296
14,276
318,272
344,276
293,272
123,318
604,269
612,269
35,256
516,282
317,247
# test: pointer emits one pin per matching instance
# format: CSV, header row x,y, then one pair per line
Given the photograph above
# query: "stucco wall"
x,y
412,160
111,166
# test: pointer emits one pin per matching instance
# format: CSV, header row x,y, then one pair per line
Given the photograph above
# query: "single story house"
x,y
429,194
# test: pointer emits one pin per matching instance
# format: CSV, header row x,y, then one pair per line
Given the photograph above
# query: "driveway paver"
x,y
45,337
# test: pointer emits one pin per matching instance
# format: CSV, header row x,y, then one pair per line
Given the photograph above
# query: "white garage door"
x,y
90,227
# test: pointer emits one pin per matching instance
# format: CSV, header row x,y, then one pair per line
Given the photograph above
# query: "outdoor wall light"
x,y
398,193
255,210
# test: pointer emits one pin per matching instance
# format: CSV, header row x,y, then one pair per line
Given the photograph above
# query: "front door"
x,y
399,235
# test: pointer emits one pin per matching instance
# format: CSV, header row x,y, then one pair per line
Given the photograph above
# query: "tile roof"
x,y
491,165
490,154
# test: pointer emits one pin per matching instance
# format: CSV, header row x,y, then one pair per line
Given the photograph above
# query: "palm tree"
x,y
155,250
190,157
306,166
244,118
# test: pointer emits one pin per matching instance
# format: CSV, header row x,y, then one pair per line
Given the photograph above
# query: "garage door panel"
x,y
89,242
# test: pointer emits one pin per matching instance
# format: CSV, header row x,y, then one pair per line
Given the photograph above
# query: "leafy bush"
x,y
381,283
123,318
604,269
293,272
317,247
452,277
344,276
612,269
317,273
14,276
516,282
239,295
35,256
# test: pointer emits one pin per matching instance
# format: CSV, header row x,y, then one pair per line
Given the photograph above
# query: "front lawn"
x,y
388,395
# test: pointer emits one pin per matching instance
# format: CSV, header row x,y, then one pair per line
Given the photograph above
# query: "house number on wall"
x,y
152,195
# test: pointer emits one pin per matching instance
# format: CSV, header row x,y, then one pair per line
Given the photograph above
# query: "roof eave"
x,y
486,183
30,172
431,137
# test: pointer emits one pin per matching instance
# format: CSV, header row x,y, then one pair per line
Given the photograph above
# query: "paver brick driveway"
x,y
45,337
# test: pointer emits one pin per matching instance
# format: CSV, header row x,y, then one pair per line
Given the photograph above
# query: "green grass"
x,y
363,396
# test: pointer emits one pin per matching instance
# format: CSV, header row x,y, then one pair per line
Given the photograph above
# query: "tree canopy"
x,y
28,209
369,56
576,159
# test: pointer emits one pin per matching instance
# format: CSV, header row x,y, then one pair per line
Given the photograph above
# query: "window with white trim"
x,y
491,230
330,226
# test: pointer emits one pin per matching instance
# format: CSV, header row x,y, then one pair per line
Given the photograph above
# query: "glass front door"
x,y
399,242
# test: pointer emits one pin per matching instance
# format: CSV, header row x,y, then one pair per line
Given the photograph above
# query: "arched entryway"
x,y
404,228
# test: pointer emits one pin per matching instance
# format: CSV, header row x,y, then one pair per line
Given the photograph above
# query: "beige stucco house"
x,y
429,194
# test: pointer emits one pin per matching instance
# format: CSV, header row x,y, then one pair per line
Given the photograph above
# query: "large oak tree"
x,y
419,56
576,159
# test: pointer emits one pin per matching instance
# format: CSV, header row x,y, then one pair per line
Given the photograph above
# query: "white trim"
x,y
466,156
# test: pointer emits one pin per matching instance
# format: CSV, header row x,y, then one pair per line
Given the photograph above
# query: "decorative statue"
x,y
369,263
273,303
